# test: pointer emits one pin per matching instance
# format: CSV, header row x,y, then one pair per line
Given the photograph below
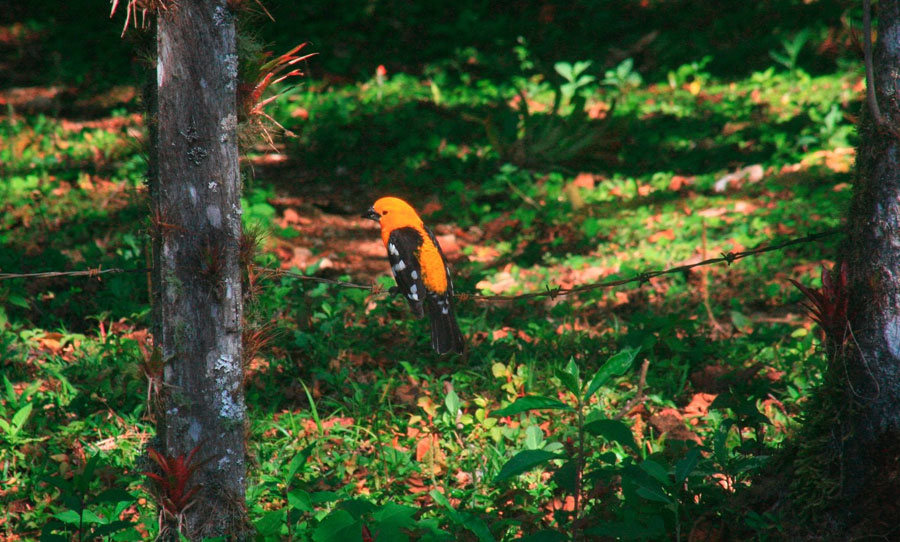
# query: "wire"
x,y
726,257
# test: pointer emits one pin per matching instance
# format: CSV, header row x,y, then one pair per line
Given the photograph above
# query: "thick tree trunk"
x,y
197,286
872,355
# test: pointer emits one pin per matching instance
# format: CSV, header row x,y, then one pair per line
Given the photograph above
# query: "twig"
x,y
639,398
704,290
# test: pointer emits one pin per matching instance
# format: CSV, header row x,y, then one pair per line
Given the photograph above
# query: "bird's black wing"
x,y
403,245
445,333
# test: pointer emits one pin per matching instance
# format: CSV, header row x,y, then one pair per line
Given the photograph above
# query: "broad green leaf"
x,y
21,416
525,461
569,377
439,498
564,69
90,517
18,301
615,366
300,500
451,401
395,514
630,530
613,431
69,516
544,536
657,471
531,402
269,525
322,497
338,526
534,437
686,466
115,527
654,494
10,391
357,507
566,475
114,495
479,527
298,462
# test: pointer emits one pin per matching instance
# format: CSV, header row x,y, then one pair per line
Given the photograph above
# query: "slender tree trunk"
x,y
871,368
197,287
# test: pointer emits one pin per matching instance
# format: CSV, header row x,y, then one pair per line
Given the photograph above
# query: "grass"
x,y
356,429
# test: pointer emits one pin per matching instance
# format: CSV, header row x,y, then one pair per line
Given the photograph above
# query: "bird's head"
x,y
393,210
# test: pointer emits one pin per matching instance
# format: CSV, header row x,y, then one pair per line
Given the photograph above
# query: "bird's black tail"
x,y
445,334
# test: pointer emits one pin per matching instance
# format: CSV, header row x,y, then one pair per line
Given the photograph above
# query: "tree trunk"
x,y
871,376
195,192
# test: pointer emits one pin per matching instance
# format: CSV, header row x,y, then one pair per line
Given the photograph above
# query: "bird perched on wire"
x,y
420,270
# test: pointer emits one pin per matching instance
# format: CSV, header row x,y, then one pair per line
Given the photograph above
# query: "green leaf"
x,y
21,416
69,516
88,516
615,366
566,475
534,437
741,322
10,391
546,535
531,402
298,461
269,525
18,301
114,527
630,530
479,527
451,401
395,514
338,526
613,431
564,69
300,500
322,497
686,466
439,498
569,377
114,495
357,507
654,494
657,471
525,461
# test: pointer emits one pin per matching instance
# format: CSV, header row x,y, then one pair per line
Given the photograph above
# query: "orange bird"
x,y
420,269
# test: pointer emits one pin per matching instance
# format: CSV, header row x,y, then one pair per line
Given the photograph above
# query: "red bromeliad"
x,y
175,496
828,306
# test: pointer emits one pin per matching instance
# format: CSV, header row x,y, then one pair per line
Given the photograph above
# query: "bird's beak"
x,y
370,213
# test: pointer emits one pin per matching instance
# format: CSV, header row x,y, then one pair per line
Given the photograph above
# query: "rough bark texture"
x,y
197,285
872,356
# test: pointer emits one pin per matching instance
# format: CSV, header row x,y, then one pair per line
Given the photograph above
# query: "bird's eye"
x,y
384,213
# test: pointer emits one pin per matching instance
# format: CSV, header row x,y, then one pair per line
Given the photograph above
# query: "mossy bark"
x,y
868,365
196,210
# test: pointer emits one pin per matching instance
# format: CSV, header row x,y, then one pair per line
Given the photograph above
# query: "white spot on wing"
x,y
400,266
414,275
393,250
414,289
